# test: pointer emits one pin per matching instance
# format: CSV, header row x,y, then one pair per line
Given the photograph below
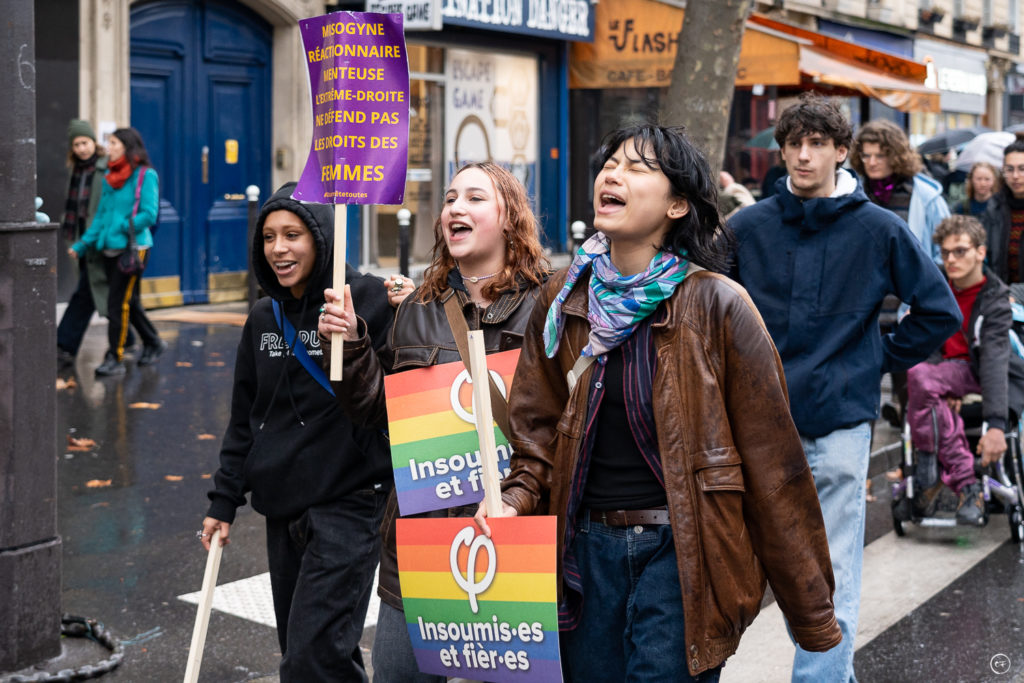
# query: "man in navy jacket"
x,y
818,258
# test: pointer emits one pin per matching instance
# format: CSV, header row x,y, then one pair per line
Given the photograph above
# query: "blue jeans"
x,y
392,658
321,575
631,626
839,463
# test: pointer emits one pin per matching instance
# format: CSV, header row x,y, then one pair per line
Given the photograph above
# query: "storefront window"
x,y
465,105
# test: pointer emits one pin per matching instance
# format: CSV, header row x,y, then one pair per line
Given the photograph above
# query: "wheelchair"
x,y
1002,482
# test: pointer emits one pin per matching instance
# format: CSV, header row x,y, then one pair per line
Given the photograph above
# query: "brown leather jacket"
x,y
420,337
741,498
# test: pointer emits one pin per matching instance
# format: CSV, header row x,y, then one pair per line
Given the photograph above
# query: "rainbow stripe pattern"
x,y
446,568
434,444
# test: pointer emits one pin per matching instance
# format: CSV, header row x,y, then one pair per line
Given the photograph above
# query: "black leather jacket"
x,y
420,337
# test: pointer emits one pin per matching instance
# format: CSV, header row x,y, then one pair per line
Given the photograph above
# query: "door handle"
x,y
234,197
206,165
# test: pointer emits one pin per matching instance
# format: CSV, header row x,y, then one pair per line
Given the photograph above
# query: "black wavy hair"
x,y
134,148
700,234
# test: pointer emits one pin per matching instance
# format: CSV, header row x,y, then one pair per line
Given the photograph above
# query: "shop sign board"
x,y
420,15
558,19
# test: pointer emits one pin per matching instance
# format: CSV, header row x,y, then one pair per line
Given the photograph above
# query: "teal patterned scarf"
x,y
618,303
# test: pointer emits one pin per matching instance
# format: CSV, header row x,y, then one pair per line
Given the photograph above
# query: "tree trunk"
x,y
703,77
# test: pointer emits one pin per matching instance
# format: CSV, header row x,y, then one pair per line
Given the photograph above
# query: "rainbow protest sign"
x,y
479,608
434,444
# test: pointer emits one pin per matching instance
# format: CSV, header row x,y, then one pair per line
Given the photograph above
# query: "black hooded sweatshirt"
x,y
288,442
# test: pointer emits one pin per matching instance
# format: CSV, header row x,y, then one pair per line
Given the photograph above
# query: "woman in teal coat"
x,y
131,197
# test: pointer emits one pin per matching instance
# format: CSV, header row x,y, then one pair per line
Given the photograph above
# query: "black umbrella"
x,y
943,142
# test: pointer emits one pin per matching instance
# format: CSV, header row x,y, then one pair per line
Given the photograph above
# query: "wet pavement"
x,y
129,507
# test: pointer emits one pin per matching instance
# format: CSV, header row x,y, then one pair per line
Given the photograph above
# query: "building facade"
x,y
219,90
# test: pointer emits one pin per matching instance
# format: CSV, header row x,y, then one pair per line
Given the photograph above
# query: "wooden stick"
x,y
340,230
485,422
195,651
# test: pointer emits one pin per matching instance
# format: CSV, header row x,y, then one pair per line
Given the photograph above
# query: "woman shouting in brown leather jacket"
x,y
672,462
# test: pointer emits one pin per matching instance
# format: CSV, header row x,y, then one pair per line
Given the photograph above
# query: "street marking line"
x,y
899,575
252,599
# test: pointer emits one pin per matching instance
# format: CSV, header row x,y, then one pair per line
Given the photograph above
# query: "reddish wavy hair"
x,y
524,256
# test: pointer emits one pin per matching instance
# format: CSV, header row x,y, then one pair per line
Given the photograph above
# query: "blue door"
x,y
200,97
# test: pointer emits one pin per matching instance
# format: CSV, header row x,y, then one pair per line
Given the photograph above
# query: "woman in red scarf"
x,y
130,199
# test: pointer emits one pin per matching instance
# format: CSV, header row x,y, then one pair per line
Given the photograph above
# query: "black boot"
x,y
971,509
110,366
151,353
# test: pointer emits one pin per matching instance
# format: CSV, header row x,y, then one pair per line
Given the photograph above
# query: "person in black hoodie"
x,y
321,481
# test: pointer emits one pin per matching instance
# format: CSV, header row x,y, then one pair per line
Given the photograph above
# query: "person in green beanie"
x,y
87,161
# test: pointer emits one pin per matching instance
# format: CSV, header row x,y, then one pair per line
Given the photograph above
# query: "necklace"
x,y
477,278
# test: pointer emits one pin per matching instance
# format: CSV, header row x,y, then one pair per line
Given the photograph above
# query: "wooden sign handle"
x,y
340,230
195,651
485,422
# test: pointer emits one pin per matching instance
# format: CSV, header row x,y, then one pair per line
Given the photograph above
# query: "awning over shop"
x,y
635,45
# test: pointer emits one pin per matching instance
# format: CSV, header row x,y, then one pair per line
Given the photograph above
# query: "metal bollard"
x,y
404,216
578,231
252,193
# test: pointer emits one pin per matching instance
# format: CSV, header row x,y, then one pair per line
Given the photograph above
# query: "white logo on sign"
x,y
463,378
468,582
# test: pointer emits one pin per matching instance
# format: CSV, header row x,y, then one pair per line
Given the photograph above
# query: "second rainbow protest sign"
x,y
477,607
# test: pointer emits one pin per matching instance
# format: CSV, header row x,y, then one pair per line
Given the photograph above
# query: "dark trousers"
x,y
321,575
77,315
124,307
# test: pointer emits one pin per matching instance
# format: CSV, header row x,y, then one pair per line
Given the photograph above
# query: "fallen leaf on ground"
x,y
97,483
215,363
80,445
183,364
207,476
215,354
173,477
103,504
68,383
145,406
206,437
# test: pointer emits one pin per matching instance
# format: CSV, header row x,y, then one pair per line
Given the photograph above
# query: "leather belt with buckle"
x,y
630,517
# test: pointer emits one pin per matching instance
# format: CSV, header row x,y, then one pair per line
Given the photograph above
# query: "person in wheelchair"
x,y
974,360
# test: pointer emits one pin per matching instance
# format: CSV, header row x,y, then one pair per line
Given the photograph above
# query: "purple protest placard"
x,y
359,84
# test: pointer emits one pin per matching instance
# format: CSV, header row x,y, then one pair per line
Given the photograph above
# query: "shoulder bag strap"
x,y
499,405
135,208
299,349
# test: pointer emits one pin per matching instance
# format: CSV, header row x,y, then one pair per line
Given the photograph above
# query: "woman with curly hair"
x,y
488,260
893,178
983,182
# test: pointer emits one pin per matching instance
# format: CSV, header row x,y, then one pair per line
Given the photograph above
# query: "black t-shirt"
x,y
618,478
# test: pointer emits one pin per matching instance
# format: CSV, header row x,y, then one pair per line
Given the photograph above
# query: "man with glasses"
x,y
974,360
1003,220
817,258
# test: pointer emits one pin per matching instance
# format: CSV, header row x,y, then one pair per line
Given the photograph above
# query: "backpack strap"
x,y
299,349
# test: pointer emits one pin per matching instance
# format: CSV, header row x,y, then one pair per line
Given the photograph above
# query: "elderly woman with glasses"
x,y
1004,217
